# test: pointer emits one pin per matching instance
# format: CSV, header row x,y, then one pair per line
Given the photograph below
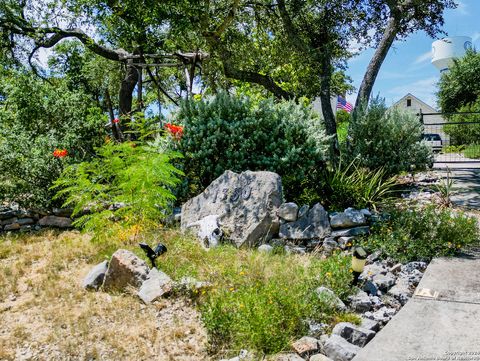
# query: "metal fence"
x,y
453,137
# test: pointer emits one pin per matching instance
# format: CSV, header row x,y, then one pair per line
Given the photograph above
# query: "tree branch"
x,y
249,76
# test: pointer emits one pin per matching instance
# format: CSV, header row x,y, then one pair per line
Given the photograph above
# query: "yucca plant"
x,y
445,188
359,187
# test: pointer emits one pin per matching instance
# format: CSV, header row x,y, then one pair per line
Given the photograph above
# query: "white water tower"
x,y
447,49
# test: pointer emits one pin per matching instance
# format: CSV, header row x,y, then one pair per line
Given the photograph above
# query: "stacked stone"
x,y
13,218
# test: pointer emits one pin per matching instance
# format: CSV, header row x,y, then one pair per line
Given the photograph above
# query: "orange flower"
x,y
176,131
60,153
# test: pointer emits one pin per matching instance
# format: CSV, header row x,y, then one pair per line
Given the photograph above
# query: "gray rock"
x,y
266,248
401,291
63,212
396,268
329,245
155,286
54,221
339,349
349,218
288,211
316,329
125,269
384,282
351,232
25,221
360,302
306,346
410,267
94,278
7,213
370,324
246,204
356,335
295,250
376,302
366,212
370,288
345,242
327,295
372,270
383,315
9,221
319,357
303,211
314,225
11,227
374,256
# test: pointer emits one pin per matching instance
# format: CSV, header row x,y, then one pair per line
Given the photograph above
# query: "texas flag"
x,y
343,104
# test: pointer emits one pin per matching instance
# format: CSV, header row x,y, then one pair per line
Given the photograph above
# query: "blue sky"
x,y
407,67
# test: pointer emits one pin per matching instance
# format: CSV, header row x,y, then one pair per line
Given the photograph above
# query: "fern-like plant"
x,y
128,185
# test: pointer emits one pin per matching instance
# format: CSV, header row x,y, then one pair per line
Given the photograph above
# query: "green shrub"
x,y
128,186
35,119
472,151
236,133
353,186
387,138
421,234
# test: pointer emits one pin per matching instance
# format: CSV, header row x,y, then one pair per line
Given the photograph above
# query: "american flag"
x,y
343,104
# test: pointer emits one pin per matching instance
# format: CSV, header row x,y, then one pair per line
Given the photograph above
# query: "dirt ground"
x,y
45,314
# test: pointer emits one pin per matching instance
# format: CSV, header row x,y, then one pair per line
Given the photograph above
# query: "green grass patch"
x,y
422,234
258,301
472,151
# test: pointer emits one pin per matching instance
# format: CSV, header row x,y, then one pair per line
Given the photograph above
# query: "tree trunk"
x,y
126,89
328,114
376,62
117,134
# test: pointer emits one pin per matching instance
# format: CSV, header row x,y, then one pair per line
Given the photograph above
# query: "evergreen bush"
x,y
238,134
387,138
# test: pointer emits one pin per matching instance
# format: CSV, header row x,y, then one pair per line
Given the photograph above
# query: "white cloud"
x,y
423,58
423,89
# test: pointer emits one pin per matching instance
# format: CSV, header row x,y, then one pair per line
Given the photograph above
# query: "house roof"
x,y
425,107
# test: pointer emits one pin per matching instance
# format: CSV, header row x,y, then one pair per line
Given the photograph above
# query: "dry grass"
x,y
46,315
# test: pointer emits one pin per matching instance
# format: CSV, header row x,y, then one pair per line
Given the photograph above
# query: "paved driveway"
x,y
442,327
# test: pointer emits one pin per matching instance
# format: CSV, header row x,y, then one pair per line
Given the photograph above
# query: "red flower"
x,y
116,120
60,153
175,131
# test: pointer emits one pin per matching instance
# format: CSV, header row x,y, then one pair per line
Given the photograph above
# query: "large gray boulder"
x,y
155,286
339,349
94,278
125,269
246,205
314,224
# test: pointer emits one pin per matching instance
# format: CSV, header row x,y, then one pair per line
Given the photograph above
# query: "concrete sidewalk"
x,y
442,325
